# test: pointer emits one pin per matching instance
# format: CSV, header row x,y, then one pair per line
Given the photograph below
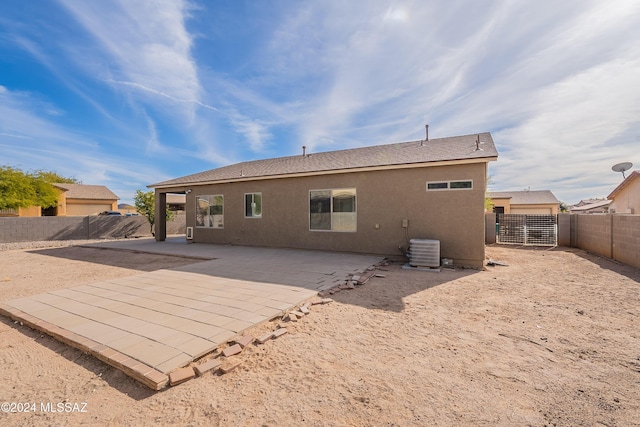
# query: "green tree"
x,y
488,203
563,207
53,177
145,203
21,190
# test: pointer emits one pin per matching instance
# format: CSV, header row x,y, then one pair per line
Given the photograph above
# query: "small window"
x,y
333,210
210,211
437,185
253,205
456,185
466,184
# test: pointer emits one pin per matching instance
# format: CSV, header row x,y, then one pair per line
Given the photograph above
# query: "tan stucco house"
x,y
73,200
82,200
626,196
367,200
524,202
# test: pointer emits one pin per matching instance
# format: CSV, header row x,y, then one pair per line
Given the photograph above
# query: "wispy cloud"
x,y
555,82
544,83
147,44
31,140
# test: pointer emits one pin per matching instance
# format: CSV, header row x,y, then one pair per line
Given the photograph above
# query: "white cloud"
x,y
555,82
29,140
147,44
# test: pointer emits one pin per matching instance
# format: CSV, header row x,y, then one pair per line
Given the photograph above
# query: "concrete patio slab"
x,y
153,323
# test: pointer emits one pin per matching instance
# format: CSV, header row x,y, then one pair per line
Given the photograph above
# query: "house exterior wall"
x,y
82,207
538,209
627,201
383,198
501,203
31,211
530,209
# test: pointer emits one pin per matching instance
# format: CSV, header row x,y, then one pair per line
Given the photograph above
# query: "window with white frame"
x,y
253,205
465,184
332,210
210,211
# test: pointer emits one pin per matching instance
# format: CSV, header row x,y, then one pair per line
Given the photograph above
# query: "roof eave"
x,y
330,172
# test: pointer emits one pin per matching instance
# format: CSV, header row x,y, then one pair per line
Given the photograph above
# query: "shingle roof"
x,y
403,153
81,191
627,181
598,204
540,197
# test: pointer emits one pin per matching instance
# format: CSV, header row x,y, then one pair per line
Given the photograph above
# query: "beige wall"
x,y
384,199
548,209
613,236
628,199
501,203
30,211
61,208
80,207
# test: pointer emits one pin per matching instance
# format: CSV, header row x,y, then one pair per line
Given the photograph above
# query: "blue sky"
x,y
129,93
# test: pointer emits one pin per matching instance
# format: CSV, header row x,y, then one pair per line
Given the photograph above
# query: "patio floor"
x,y
150,324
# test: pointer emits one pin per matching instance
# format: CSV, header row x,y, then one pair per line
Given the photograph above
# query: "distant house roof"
x,y
586,202
599,205
403,154
176,199
634,175
538,197
81,191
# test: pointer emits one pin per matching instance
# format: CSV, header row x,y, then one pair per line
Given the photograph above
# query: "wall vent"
x,y
189,233
424,253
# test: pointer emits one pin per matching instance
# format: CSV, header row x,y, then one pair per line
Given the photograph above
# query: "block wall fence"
x,y
615,236
27,229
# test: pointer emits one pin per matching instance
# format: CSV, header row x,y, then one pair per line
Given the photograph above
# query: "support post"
x,y
161,217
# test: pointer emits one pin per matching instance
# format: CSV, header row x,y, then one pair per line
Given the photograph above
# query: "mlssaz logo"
x,y
66,407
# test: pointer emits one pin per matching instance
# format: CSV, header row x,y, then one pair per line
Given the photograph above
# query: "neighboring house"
x,y
73,200
125,208
586,202
626,196
176,202
81,200
524,202
368,200
599,206
30,211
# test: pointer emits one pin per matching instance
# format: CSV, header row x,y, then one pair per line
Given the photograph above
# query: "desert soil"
x,y
551,339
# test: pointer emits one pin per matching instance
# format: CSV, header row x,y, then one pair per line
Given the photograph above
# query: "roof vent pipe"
x,y
304,150
426,138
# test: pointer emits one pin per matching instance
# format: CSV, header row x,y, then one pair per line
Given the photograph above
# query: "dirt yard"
x,y
551,339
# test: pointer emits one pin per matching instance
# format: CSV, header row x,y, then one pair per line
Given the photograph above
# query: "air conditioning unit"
x,y
424,253
189,233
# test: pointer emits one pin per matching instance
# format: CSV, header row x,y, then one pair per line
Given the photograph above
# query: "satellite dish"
x,y
622,167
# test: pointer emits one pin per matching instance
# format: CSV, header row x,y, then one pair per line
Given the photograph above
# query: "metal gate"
x,y
530,230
